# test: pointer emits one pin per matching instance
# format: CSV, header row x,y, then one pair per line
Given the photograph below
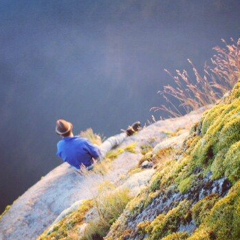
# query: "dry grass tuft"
x,y
218,78
109,204
92,137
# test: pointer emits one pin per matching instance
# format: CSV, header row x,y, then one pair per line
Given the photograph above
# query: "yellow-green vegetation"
x,y
114,154
231,163
212,147
167,224
147,157
159,180
163,179
216,151
186,184
5,212
131,148
69,226
221,134
145,149
177,236
105,166
109,204
174,172
163,156
224,219
201,210
139,203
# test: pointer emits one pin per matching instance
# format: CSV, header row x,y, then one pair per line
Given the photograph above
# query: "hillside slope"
x,y
35,211
194,192
197,194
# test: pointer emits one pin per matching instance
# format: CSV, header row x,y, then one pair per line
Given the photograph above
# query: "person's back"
x,y
77,151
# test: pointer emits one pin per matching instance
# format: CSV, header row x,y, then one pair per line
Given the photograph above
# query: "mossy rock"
x,y
202,209
177,236
223,220
210,117
69,225
232,163
217,167
165,225
131,148
221,130
186,184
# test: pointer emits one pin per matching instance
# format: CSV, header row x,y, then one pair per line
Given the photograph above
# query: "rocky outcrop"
x,y
170,199
36,210
175,179
195,194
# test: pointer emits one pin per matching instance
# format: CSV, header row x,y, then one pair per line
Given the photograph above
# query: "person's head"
x,y
64,128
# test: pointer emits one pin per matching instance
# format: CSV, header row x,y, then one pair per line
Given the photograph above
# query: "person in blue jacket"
x,y
79,152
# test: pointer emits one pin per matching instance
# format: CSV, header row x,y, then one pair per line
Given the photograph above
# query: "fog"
x,y
98,64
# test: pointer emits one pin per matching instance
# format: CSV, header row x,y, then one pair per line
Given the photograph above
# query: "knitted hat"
x,y
63,127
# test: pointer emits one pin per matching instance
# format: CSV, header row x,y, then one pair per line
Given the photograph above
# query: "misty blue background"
x,y
98,64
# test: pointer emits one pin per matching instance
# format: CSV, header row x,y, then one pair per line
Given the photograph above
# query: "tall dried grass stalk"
x,y
218,78
92,137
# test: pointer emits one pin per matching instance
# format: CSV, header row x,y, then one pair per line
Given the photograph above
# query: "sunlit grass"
x,y
109,204
190,94
92,137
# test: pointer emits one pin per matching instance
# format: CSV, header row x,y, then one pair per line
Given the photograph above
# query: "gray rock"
x,y
33,212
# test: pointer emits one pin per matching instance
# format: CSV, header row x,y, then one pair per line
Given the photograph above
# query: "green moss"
x,y
166,165
224,219
210,117
177,236
175,172
232,163
147,157
230,132
69,225
217,167
186,184
137,204
142,201
7,209
119,229
156,182
165,225
112,155
213,146
186,167
221,128
202,209
131,148
110,204
141,228
145,149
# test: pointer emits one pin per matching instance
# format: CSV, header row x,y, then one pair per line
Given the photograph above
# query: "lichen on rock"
x,y
192,192
189,196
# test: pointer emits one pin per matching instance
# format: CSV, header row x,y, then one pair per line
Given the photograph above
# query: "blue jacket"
x,y
77,151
